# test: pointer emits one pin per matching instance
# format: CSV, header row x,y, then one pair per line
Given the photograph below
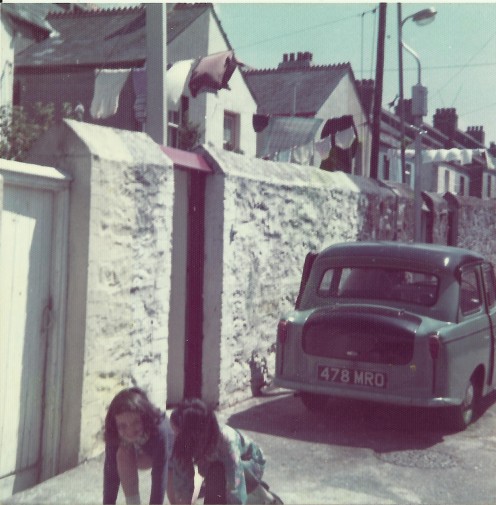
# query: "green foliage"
x,y
189,135
19,129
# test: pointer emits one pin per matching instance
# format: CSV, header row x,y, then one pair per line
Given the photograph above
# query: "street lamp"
x,y
419,109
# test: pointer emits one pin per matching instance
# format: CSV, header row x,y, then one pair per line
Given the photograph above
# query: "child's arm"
x,y
111,479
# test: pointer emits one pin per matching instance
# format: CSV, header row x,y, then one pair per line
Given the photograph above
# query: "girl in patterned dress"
x,y
231,464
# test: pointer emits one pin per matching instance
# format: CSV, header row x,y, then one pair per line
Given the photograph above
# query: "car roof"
x,y
435,255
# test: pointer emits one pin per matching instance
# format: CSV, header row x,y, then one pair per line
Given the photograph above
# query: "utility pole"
x,y
377,110
156,66
401,103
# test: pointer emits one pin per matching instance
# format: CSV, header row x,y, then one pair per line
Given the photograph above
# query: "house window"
x,y
231,131
446,180
461,190
408,173
386,168
489,188
176,118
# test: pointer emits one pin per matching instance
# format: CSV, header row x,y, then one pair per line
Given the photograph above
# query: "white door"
x,y
25,263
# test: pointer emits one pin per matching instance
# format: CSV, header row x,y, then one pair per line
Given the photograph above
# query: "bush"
x,y
20,130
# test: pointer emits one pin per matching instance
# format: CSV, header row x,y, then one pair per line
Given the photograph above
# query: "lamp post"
x,y
419,109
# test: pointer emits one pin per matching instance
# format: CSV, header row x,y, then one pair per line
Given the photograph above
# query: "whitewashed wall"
x,y
201,38
119,273
262,218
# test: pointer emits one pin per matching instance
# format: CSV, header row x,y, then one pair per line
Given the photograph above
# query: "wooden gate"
x,y
32,298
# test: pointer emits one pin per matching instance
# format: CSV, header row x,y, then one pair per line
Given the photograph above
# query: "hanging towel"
x,y
337,124
108,87
344,143
302,155
286,132
212,72
175,82
323,147
139,85
260,122
344,139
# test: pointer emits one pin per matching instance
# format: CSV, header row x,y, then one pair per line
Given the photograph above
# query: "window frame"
x,y
476,310
234,143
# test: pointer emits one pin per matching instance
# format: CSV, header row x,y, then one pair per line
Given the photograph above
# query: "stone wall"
x,y
263,217
474,224
120,241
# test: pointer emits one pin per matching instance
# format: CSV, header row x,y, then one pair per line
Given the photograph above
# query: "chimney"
x,y
407,109
295,61
477,133
492,149
446,121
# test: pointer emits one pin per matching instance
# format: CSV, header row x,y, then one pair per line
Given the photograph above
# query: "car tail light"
x,y
282,331
434,346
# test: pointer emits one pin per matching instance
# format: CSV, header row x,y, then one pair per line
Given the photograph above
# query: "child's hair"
x,y
198,428
131,400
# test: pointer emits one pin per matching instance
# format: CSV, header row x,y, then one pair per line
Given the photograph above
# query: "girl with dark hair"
x,y
231,464
137,436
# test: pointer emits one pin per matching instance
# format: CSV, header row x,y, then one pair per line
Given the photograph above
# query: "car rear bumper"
x,y
367,395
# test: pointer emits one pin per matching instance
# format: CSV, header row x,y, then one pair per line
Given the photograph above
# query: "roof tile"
x,y
102,37
276,90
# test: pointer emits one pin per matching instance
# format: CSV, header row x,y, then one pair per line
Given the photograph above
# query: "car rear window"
x,y
379,284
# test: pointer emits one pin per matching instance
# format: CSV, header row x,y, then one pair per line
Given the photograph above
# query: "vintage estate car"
x,y
402,324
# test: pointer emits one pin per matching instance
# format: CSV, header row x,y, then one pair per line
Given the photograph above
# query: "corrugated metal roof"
x,y
106,38
277,90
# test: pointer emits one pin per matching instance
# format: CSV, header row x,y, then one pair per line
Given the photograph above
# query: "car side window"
x,y
489,284
470,294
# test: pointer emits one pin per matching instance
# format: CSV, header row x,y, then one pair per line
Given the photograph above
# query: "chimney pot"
x,y
291,56
285,57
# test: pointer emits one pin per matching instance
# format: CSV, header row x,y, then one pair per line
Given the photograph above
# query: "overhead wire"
x,y
292,33
465,66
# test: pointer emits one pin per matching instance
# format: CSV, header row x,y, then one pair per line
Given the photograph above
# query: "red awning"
x,y
186,159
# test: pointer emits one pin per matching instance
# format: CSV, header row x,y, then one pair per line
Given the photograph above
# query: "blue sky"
x,y
457,50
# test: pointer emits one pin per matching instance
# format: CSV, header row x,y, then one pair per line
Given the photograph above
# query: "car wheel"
x,y
314,402
461,416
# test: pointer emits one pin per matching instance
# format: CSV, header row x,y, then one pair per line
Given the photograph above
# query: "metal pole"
x,y
401,98
417,191
377,111
156,65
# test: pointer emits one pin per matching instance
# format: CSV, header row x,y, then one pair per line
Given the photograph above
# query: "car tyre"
x,y
314,402
462,415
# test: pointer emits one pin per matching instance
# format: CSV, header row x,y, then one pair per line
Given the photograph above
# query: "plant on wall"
x,y
20,128
189,135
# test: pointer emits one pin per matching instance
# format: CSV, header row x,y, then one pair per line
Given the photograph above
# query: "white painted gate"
x,y
29,289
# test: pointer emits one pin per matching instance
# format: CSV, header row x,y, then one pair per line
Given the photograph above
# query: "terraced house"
x,y
96,61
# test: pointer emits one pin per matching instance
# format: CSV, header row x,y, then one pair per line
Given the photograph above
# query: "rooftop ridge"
x,y
333,66
95,12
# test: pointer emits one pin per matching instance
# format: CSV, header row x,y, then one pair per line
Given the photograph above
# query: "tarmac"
x,y
83,485
312,459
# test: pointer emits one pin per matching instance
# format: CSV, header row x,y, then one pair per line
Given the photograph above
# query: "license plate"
x,y
351,376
